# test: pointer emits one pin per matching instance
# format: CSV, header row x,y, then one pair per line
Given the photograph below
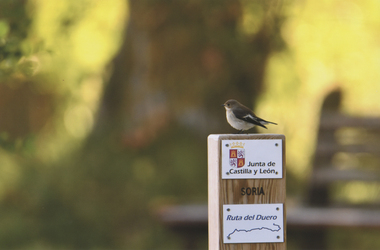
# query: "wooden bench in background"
x,y
355,138
348,150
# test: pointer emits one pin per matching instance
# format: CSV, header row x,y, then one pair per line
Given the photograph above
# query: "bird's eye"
x,y
228,104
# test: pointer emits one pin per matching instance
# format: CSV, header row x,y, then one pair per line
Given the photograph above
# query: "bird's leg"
x,y
240,131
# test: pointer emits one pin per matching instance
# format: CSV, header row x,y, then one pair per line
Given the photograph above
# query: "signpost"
x,y
246,198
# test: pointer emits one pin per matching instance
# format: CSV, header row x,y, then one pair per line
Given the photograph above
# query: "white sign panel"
x,y
253,223
251,159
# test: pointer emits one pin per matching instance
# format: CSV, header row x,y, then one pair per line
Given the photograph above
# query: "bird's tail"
x,y
267,122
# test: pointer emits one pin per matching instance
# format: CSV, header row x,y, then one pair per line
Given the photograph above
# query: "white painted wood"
x,y
213,191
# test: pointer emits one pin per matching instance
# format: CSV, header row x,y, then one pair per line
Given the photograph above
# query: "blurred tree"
x,y
183,59
179,62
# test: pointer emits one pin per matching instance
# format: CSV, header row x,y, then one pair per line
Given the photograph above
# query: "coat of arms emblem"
x,y
237,155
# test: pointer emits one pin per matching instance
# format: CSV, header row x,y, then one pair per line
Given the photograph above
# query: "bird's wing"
x,y
248,116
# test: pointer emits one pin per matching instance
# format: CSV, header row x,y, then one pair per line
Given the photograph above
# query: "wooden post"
x,y
246,192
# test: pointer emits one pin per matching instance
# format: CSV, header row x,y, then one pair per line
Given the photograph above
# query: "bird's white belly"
x,y
237,123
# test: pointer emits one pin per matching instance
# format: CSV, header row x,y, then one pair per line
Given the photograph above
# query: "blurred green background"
x,y
105,107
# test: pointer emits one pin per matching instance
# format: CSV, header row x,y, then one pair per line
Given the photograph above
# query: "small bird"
x,y
242,118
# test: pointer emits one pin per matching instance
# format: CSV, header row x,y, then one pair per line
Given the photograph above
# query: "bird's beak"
x,y
223,105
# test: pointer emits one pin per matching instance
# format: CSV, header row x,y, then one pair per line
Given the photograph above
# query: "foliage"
x,y
14,26
330,45
51,82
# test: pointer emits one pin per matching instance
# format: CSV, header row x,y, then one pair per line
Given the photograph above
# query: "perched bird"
x,y
242,118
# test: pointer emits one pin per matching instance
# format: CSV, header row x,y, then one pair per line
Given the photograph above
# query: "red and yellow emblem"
x,y
237,155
